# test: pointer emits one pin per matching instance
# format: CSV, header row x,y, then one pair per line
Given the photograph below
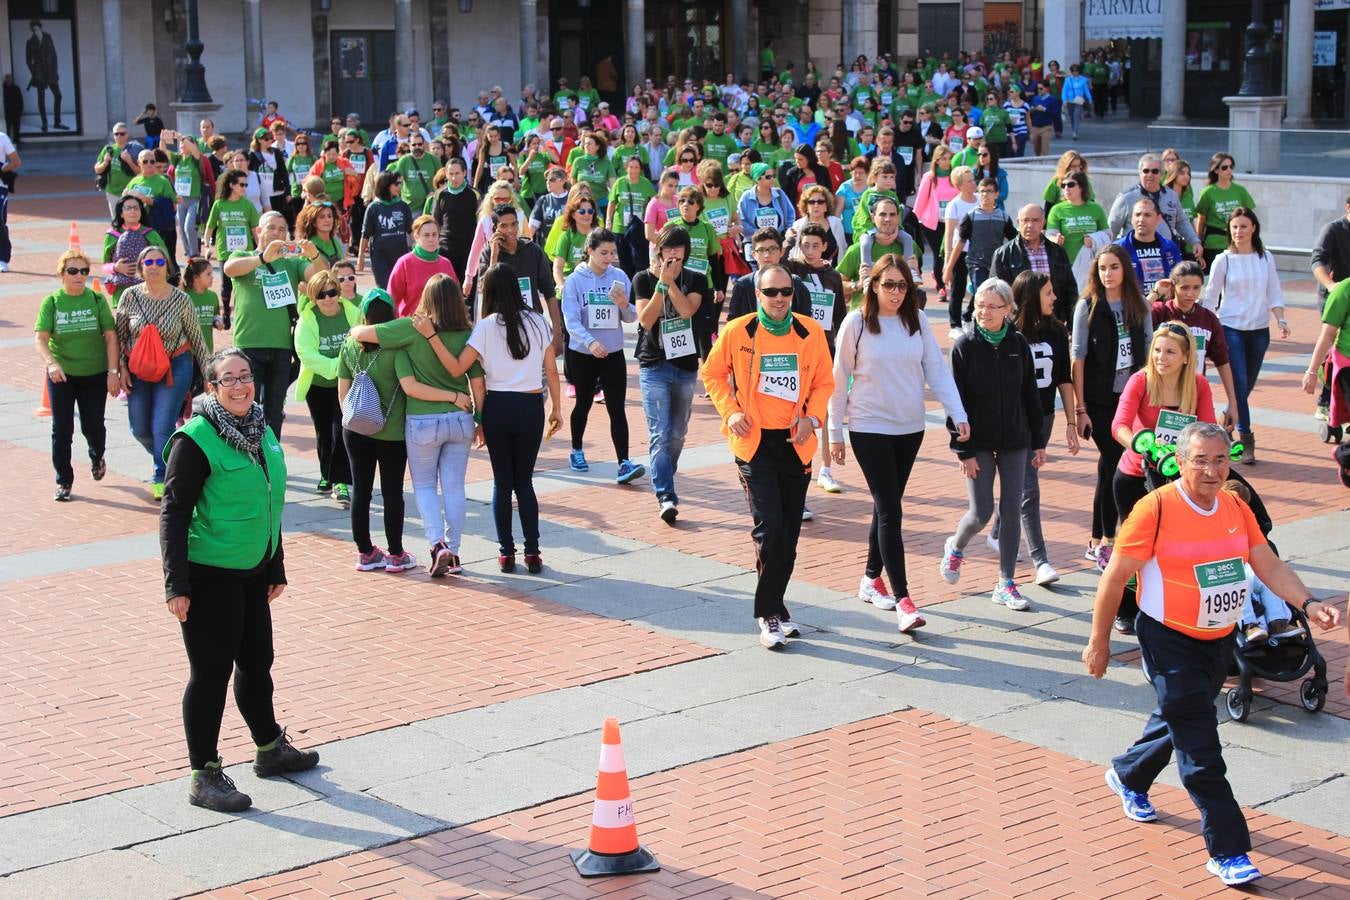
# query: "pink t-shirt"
x,y
1135,413
410,275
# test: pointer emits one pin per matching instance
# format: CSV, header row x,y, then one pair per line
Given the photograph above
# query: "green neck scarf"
x,y
994,337
425,255
456,190
775,327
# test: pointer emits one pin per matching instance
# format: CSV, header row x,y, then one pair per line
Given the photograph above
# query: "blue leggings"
x,y
1246,352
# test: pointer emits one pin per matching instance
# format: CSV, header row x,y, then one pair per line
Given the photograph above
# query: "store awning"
x,y
1108,19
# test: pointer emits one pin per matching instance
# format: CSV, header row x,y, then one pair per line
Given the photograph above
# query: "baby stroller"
x,y
1279,659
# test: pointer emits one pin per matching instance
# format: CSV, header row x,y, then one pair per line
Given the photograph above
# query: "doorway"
x,y
363,75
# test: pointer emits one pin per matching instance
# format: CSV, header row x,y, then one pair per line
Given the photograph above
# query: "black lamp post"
x,y
1256,64
194,73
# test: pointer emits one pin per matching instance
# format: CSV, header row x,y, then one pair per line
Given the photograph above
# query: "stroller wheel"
x,y
1324,433
1239,704
1313,699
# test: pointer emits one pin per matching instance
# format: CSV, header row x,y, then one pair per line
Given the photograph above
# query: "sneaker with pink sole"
x,y
400,563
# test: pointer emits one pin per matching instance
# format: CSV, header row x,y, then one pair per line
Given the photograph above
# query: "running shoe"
x,y
771,633
98,468
157,491
1006,592
599,396
789,628
827,483
343,495
807,515
1103,557
1046,574
506,563
323,487
1135,804
369,562
62,493
4,267
576,461
875,592
992,543
1090,553
629,471
954,333
669,512
1255,634
950,567
440,560
571,390
401,562
907,616
1233,870
1322,412
1283,628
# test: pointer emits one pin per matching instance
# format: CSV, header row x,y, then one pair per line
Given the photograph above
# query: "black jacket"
x,y
1099,367
1010,260
998,390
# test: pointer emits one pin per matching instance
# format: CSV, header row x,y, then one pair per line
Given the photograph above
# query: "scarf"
x,y
425,255
775,327
993,337
243,433
456,191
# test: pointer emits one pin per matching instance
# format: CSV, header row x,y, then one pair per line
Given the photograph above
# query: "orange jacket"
x,y
731,378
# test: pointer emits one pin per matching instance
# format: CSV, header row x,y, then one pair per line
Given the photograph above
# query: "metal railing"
x,y
1312,152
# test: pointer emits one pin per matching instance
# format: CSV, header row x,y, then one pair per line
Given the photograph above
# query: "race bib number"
x,y
182,183
1223,593
677,337
526,293
495,164
1199,349
822,308
907,154
719,219
672,213
779,376
957,144
887,100
697,264
1169,426
766,218
942,209
1124,347
236,238
601,311
585,102
358,164
276,290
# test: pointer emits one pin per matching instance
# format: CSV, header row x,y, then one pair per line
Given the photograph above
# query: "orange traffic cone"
x,y
74,236
614,847
44,408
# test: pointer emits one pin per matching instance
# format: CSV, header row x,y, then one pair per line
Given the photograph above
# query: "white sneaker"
x,y
1046,574
771,633
954,334
827,483
874,591
1007,594
789,628
807,515
1090,553
950,567
4,267
992,543
669,512
907,616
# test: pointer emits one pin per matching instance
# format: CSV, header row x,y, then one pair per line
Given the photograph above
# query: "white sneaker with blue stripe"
x,y
1135,804
1233,869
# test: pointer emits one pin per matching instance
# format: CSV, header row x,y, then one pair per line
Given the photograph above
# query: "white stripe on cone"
x,y
612,813
611,758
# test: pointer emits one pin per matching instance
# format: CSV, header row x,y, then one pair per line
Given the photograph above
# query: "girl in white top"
x,y
884,355
1244,279
253,190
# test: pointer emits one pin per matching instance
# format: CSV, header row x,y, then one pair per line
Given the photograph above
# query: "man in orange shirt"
x,y
770,377
1188,543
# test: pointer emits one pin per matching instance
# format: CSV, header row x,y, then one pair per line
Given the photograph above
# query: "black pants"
x,y
611,374
356,218
775,483
956,292
90,394
886,461
326,413
272,376
933,237
1187,674
1100,94
6,248
1127,491
229,626
513,425
1104,513
56,104
226,296
364,454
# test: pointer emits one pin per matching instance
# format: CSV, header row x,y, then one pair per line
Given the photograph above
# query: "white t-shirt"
x,y
6,148
957,208
504,372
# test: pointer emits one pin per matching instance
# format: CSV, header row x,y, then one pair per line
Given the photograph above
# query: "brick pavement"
x,y
908,804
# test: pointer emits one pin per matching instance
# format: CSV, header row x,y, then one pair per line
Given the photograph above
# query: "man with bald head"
x,y
1031,252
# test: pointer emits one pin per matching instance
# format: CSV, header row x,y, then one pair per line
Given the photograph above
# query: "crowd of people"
x,y
765,241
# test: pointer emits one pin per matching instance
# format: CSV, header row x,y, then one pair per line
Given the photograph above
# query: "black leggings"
x,y
886,461
1104,512
228,627
513,425
1128,490
363,454
956,292
933,237
90,394
326,413
611,373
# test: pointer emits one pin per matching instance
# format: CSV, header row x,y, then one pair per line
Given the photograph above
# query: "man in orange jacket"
x,y
770,377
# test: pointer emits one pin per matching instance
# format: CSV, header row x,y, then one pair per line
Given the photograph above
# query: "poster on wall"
x,y
43,54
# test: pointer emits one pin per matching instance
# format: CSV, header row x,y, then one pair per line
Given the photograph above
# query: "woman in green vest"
x,y
320,333
220,539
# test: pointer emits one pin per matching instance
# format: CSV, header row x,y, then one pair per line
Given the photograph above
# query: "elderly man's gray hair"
x,y
1202,431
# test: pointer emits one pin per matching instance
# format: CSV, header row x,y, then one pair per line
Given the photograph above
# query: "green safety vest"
x,y
236,523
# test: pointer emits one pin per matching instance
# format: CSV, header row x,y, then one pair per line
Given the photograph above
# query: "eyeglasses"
x,y
1225,167
155,261
689,201
324,295
892,287
816,201
344,279
587,211
1150,171
776,291
767,249
230,381
989,307
119,134
76,270
1214,464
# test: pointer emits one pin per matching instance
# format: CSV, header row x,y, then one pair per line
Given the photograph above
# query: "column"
x,y
1064,31
529,45
849,25
1172,111
634,43
1299,62
405,87
114,80
440,49
740,41
255,82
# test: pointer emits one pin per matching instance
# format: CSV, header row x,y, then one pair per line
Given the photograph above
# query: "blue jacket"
x,y
780,204
1171,255
1076,86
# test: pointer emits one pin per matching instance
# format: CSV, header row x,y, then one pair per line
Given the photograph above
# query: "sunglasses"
x,y
1173,328
155,261
346,278
76,270
1068,184
685,159
1150,171
324,295
119,134
585,211
776,291
892,287
1225,167
816,202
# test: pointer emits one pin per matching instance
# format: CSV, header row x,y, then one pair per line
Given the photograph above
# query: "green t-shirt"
x,y
232,223
415,357
1216,204
1075,222
619,156
703,242
76,326
332,336
187,176
532,174
595,171
150,188
564,100
379,365
1337,313
256,327
994,122
851,263
206,304
588,100
298,167
738,184
417,178
569,248
628,199
334,181
719,147
117,176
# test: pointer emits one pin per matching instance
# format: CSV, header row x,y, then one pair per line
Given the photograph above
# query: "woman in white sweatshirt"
x,y
885,353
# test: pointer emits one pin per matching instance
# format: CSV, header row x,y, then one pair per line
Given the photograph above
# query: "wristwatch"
x,y
815,423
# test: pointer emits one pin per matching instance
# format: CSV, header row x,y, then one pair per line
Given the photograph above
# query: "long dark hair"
x,y
1034,325
991,170
501,297
909,307
1133,307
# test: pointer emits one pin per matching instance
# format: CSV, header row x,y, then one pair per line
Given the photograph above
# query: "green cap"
x,y
376,294
759,170
261,133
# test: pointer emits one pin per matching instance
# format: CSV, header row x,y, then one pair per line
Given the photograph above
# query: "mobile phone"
x,y
292,248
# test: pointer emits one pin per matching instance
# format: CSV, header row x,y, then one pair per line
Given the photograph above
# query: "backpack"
x,y
364,414
148,361
128,249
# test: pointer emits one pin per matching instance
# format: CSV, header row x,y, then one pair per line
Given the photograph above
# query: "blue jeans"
x,y
667,398
153,408
438,450
1246,352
